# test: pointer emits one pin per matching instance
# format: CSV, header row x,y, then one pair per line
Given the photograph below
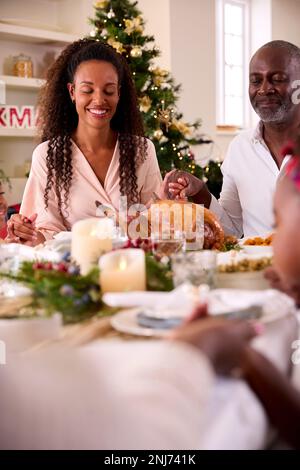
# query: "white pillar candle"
x,y
90,238
123,270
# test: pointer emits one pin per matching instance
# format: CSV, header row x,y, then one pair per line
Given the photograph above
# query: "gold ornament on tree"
x,y
158,134
136,52
134,25
145,104
118,46
159,76
165,115
101,4
182,127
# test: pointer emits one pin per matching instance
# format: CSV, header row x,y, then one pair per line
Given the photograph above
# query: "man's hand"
x,y
222,341
277,283
181,185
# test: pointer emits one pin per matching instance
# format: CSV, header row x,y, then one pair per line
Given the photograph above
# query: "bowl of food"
x,y
241,271
258,245
262,250
252,280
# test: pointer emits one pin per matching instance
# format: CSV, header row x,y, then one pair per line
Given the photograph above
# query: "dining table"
x,y
235,419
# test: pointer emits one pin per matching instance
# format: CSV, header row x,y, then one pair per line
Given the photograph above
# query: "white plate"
x,y
126,322
29,24
275,306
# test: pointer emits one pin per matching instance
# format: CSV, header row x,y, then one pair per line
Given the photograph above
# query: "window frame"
x,y
221,64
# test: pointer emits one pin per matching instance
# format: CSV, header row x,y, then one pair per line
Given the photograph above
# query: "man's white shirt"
x,y
250,175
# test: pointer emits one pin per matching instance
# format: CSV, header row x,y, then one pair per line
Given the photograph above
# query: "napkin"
x,y
270,304
178,302
63,236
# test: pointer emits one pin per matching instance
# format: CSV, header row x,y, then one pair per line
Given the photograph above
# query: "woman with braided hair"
x,y
93,146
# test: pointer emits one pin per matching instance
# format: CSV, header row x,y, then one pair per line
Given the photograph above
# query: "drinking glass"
x,y
164,245
196,267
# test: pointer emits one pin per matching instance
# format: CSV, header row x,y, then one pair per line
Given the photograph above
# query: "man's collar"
x,y
258,133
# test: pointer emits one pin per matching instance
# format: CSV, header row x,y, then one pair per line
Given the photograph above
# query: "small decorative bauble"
x,y
93,33
136,52
158,134
111,14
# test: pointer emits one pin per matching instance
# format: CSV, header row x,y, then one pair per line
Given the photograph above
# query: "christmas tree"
x,y
120,24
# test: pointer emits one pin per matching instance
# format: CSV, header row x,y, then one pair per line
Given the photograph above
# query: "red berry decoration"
x,y
48,266
61,267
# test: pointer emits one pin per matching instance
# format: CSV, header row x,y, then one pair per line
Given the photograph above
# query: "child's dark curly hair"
x,y
58,119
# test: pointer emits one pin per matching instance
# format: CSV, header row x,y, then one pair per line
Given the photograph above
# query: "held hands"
x,y
180,185
222,341
21,229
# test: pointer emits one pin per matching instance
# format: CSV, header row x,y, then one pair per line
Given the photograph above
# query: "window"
x,y
232,62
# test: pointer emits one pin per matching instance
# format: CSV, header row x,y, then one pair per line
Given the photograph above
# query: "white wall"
x,y
261,23
285,20
158,24
193,61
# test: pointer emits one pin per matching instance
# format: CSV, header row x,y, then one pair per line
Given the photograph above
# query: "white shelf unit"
x,y
17,133
43,46
20,82
32,35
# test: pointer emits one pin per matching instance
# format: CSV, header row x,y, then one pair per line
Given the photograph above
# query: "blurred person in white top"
x,y
254,159
116,394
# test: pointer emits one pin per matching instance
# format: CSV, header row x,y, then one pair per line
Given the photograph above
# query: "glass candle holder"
x,y
123,270
90,239
196,267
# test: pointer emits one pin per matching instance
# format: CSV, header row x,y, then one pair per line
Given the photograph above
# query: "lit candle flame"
x,y
122,264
